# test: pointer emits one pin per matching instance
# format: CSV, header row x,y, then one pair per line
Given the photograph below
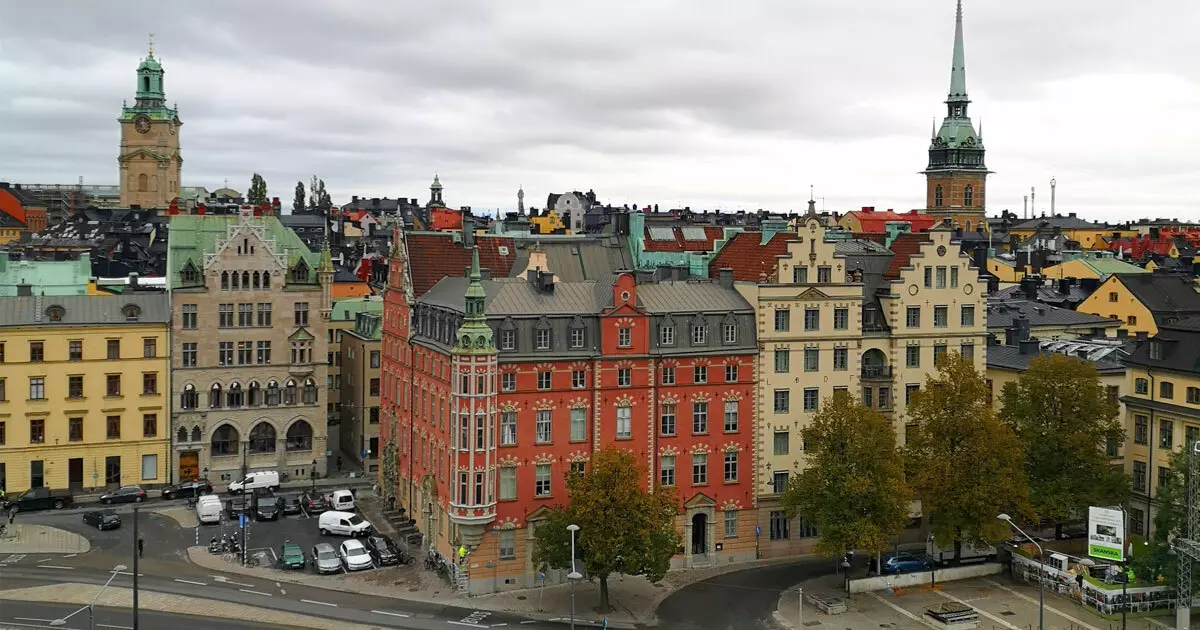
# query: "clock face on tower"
x,y
141,122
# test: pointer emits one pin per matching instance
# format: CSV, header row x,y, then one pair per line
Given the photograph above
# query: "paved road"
x,y
35,615
742,600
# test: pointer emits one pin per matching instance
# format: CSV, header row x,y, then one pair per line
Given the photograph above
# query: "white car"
x,y
354,556
341,500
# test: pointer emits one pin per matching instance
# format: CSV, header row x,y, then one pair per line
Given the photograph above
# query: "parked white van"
x,y
208,509
342,500
343,524
970,552
258,479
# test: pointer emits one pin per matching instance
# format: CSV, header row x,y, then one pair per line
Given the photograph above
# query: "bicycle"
x,y
228,557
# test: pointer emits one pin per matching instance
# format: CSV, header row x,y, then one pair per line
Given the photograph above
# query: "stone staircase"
x,y
406,528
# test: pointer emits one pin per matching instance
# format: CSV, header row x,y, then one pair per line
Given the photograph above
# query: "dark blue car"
x,y
906,563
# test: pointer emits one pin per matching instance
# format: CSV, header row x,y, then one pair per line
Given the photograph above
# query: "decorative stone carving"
x,y
700,448
579,456
624,401
732,447
543,458
578,403
668,450
510,461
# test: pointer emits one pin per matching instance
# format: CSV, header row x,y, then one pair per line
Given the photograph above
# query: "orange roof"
x,y
11,206
349,289
904,247
751,259
876,221
435,255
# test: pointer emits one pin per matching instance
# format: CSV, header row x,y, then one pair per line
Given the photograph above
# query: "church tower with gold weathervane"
x,y
956,177
149,160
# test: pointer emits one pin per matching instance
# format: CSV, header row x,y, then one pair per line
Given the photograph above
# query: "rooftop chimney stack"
x,y
1053,183
1026,212
1033,200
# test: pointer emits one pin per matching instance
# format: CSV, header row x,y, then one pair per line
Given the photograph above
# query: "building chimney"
x,y
979,257
133,281
726,275
1029,346
1122,333
1064,286
1141,336
1022,325
1053,184
275,206
1010,336
485,273
1029,286
468,233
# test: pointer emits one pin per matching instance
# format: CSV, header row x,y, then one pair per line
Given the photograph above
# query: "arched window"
x,y
225,441
968,195
289,393
190,275
253,394
189,399
262,438
273,393
225,280
245,279
143,183
299,436
196,434
937,196
236,277
309,396
967,226
145,84
256,280
235,397
214,396
266,280
183,435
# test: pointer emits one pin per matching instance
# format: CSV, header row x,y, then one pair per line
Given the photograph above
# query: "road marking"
x,y
44,560
465,623
71,555
900,610
55,566
224,580
497,625
283,591
530,621
32,619
982,612
1050,608
191,582
14,558
121,572
311,601
246,590
390,614
105,625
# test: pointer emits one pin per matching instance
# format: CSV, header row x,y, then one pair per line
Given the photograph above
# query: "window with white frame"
x,y
666,336
542,338
508,483
729,333
700,374
699,334
699,469
508,544
541,484
508,382
577,337
508,339
731,416
543,424
667,424
699,417
508,428
668,375
731,466
543,380
731,523
578,425
624,422
624,337
666,470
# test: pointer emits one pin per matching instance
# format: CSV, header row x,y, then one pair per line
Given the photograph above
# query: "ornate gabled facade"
x,y
248,348
149,159
956,175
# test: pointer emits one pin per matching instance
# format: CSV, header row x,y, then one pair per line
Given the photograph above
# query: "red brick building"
x,y
495,389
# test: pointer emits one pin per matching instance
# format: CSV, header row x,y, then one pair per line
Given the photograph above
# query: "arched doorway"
x,y
699,534
874,364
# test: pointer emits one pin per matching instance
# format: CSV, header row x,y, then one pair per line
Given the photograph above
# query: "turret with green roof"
x,y
474,335
956,145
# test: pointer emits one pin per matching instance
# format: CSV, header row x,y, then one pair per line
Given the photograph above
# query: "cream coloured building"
x,y
839,313
250,307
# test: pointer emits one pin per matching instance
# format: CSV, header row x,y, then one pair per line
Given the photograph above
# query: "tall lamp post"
x,y
91,616
1041,568
574,576
312,473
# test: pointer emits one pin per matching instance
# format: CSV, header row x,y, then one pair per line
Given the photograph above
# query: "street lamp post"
x,y
574,576
1041,568
91,616
312,473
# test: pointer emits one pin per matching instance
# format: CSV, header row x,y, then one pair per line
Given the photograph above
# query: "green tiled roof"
x,y
347,309
45,277
193,236
1105,267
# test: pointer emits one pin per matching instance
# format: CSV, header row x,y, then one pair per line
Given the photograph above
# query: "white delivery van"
x,y
971,552
258,479
343,524
208,509
342,500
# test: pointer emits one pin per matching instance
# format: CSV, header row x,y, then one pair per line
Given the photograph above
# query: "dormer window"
x,y
190,274
55,313
541,335
578,332
300,272
1156,350
699,333
508,335
132,312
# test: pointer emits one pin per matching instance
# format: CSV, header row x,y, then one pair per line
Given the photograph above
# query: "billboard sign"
x,y
1106,533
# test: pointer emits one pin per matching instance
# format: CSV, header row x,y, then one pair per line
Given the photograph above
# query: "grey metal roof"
x,y
854,246
517,296
1002,313
1075,294
83,310
1167,296
1010,358
576,258
690,296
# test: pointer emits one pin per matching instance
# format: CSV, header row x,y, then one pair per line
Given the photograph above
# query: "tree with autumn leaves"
x,y
623,528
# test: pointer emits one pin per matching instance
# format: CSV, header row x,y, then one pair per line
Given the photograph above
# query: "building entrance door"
x,y
75,474
189,465
699,533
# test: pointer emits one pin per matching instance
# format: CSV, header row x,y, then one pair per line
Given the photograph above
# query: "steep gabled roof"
x,y
903,248
750,258
1166,296
876,222
436,255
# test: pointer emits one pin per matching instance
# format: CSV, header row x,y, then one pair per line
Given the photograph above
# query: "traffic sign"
x,y
242,520
758,530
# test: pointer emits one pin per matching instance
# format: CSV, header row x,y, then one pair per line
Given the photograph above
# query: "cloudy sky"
x,y
707,103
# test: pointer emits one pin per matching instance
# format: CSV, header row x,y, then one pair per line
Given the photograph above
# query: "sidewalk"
x,y
30,538
83,594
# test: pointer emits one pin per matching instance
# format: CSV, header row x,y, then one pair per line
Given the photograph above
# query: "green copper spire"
x,y
474,335
150,98
958,66
436,185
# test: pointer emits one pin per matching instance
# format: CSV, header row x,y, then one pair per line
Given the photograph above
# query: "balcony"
x,y
877,372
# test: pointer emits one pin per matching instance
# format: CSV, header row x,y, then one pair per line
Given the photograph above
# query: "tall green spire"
x,y
474,334
958,66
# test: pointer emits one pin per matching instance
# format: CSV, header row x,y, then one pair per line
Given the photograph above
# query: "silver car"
x,y
325,559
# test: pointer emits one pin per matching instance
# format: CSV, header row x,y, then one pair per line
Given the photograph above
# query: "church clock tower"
x,y
956,176
149,159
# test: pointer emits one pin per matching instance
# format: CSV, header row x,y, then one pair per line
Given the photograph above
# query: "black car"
x,y
314,502
102,519
289,503
235,506
124,494
185,489
384,551
266,509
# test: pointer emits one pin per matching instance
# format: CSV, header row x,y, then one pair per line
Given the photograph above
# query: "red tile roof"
x,y
750,259
1142,247
680,244
904,247
876,221
433,256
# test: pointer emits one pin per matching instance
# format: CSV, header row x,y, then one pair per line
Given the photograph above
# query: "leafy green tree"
x,y
853,488
299,201
1170,522
1064,419
258,190
318,198
622,527
965,465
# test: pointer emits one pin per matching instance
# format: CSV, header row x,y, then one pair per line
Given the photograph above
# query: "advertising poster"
x,y
1106,534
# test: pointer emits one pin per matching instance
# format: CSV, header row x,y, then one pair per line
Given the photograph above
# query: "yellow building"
x,y
867,324
84,385
1144,301
1162,412
1089,235
549,223
1004,269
